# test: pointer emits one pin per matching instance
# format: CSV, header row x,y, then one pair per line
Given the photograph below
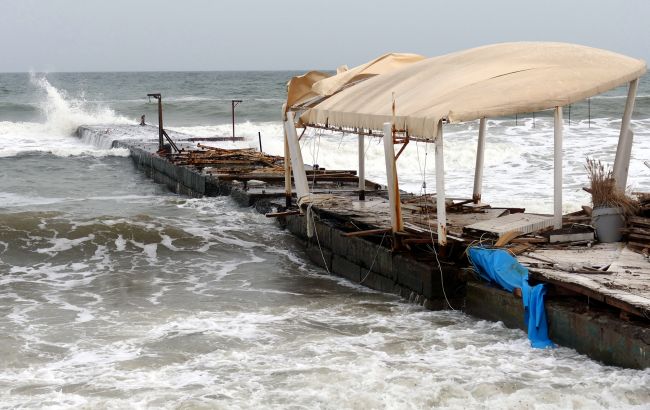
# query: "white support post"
x,y
480,156
441,210
624,148
557,168
297,164
392,183
362,168
287,171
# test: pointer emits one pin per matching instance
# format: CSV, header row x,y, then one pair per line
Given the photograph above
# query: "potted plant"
x,y
610,204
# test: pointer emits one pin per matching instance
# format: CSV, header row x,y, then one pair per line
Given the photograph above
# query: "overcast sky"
x,y
142,35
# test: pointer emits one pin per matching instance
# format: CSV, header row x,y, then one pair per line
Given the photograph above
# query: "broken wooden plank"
x,y
367,232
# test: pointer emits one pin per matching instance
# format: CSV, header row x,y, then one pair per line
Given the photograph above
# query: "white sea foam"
x,y
518,159
63,115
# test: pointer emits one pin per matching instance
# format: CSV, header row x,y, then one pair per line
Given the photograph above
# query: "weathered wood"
x,y
609,273
367,232
506,237
639,220
529,240
280,214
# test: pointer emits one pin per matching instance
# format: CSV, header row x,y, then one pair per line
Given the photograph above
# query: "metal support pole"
x,y
362,169
299,174
391,177
480,155
557,168
259,137
158,97
234,103
287,171
624,148
441,210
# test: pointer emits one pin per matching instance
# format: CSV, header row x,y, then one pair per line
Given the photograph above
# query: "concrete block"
x,y
408,273
381,283
297,225
324,232
493,304
321,257
347,269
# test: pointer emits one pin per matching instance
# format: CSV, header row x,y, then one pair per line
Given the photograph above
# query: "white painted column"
x,y
557,169
287,171
441,210
362,168
392,184
624,148
480,155
297,164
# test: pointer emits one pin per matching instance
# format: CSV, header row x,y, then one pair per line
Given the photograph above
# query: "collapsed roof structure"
x,y
406,96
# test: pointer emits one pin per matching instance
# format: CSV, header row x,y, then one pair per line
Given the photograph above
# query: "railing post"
x,y
287,170
297,164
480,155
441,210
624,147
362,168
158,97
557,168
392,182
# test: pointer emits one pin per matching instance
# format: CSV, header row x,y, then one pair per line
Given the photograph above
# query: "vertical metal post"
x,y
557,168
259,137
161,130
287,171
362,168
160,123
480,155
299,174
234,103
391,177
441,210
624,147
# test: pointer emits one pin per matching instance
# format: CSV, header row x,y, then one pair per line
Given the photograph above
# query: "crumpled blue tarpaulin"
x,y
500,267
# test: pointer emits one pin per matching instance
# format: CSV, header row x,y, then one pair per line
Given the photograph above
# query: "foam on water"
x,y
119,295
138,311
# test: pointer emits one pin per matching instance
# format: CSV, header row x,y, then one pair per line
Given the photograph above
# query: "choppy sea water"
x,y
115,293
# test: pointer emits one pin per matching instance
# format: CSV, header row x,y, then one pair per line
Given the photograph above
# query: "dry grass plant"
x,y
604,192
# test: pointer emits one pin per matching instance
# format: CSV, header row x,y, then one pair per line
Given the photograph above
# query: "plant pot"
x,y
608,223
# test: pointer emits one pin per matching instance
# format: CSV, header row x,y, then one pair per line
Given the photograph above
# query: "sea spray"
x,y
143,298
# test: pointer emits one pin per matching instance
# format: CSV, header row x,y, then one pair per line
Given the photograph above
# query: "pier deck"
x,y
345,241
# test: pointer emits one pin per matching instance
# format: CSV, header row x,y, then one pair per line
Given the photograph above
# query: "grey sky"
x,y
133,35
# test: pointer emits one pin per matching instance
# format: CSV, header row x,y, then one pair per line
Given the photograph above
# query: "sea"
x,y
116,293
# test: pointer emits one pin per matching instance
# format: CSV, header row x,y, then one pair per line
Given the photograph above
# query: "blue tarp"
x,y
500,267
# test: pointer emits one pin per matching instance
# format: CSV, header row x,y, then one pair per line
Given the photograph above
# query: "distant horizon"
x,y
75,36
165,71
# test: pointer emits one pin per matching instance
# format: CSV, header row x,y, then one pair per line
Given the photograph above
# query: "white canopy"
x,y
490,81
313,86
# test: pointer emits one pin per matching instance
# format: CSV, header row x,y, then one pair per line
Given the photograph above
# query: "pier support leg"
x,y
624,148
441,210
287,171
362,169
557,168
392,183
297,164
480,155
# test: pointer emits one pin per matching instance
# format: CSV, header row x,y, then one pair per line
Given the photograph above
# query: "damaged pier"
x,y
351,238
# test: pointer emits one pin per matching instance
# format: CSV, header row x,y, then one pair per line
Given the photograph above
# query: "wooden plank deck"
x,y
609,273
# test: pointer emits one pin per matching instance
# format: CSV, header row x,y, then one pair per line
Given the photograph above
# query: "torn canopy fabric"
x,y
500,267
490,81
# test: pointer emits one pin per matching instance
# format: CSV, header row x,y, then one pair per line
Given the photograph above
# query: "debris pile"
x,y
638,226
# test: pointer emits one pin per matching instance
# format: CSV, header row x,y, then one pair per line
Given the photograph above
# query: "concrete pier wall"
x,y
365,262
597,334
600,335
